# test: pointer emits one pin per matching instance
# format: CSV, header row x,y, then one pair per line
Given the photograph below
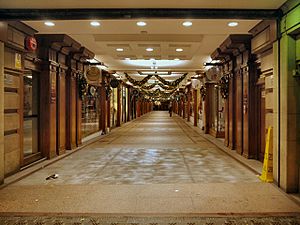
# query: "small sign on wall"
x,y
18,61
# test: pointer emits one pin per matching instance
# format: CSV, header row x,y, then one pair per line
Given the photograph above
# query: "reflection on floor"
x,y
155,164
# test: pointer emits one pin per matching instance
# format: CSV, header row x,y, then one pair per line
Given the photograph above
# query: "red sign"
x,y
31,43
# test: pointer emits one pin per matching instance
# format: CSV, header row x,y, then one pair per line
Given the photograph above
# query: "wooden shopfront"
x,y
239,71
21,97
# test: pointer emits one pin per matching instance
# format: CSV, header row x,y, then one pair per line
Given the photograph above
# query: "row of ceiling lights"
x,y
141,23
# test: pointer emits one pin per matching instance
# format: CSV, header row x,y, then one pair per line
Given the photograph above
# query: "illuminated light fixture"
x,y
187,23
95,23
127,58
179,50
49,24
149,49
233,24
141,23
176,59
152,59
119,49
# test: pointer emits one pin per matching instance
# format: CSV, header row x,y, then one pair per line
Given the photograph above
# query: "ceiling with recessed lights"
x,y
137,45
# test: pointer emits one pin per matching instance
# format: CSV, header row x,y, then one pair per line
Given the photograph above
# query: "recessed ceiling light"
x,y
179,50
149,49
119,49
49,24
233,24
152,59
187,23
176,59
95,23
141,23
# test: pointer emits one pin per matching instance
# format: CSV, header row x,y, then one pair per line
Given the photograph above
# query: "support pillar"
x,y
108,111
188,106
118,107
1,112
129,105
289,114
195,107
103,106
138,108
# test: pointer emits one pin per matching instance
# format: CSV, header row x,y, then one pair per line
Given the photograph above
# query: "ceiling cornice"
x,y
133,13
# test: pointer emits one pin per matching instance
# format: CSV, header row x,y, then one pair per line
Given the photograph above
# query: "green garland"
x,y
166,87
224,86
149,86
171,83
158,93
138,83
203,92
82,85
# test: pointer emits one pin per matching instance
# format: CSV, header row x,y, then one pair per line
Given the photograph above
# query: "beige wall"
x,y
1,112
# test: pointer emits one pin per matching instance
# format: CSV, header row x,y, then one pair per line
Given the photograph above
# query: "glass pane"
x,y
30,128
90,112
30,113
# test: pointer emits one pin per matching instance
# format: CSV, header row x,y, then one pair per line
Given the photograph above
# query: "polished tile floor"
x,y
153,165
155,150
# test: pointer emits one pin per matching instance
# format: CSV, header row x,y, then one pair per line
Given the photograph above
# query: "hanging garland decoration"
x,y
149,86
82,85
158,93
171,83
224,86
203,92
166,87
138,83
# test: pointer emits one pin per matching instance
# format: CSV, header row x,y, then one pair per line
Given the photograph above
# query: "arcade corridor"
x,y
144,167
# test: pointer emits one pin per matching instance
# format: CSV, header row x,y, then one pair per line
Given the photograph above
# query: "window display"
x,y
90,111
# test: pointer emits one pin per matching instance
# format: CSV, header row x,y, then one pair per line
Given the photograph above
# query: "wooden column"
x,y
239,113
48,109
231,113
188,106
2,152
71,109
103,106
206,111
108,112
61,110
183,107
108,115
138,108
129,105
119,107
195,107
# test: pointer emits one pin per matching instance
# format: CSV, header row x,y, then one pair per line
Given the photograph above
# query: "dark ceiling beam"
x,y
78,14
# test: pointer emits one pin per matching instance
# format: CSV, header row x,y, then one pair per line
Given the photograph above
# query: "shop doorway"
x,y
31,150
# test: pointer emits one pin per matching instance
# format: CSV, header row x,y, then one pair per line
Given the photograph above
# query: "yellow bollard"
x,y
267,171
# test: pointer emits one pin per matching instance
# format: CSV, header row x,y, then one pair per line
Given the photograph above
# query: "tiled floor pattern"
x,y
155,164
176,156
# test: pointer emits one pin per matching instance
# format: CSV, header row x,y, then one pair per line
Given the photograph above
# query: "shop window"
x,y
30,114
90,111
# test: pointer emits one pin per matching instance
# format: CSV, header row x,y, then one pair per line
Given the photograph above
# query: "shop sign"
x,y
93,73
18,61
31,44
